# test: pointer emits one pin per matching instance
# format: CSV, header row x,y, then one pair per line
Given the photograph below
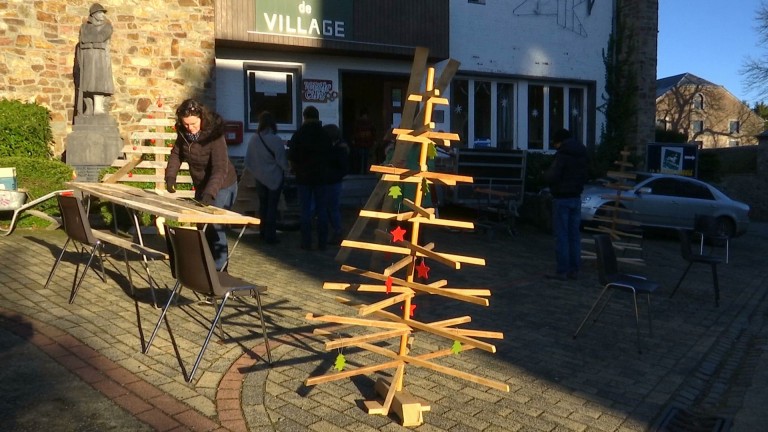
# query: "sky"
x,y
710,39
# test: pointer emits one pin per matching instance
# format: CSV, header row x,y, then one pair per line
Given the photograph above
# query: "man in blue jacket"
x,y
566,177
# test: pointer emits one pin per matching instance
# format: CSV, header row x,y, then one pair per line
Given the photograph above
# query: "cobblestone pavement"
x,y
81,366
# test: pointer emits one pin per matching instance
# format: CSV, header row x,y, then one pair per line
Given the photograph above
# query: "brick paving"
x,y
700,358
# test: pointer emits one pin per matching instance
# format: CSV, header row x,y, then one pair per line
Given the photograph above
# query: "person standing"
x,y
95,85
309,152
339,168
566,177
362,142
266,159
200,142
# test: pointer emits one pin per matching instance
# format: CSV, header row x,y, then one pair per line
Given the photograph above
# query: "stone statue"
x,y
95,65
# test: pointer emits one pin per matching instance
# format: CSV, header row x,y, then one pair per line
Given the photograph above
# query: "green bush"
x,y
39,177
25,130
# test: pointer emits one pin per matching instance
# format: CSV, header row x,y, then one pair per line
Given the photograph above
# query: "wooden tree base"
x,y
406,406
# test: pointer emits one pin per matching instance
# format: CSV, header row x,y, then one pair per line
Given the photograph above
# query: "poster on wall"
x,y
672,158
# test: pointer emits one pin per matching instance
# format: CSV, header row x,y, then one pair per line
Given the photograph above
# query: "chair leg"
x,y
681,279
219,310
716,285
637,321
56,264
76,286
175,290
263,328
591,310
650,318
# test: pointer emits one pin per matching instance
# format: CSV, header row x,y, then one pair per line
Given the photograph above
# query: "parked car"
x,y
665,201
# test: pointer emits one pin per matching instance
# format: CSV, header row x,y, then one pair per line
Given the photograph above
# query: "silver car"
x,y
665,201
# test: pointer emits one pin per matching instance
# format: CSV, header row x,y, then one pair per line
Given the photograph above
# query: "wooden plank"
x,y
157,122
433,175
357,321
436,330
422,251
147,178
406,251
398,377
392,269
408,216
438,368
129,165
423,212
381,304
416,286
131,149
149,164
153,135
356,340
344,286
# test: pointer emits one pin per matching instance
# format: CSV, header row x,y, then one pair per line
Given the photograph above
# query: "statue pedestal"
x,y
93,144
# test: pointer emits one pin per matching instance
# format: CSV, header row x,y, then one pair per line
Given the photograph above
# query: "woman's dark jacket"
x,y
207,156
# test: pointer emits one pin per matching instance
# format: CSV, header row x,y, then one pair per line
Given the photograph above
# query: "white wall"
x,y
505,37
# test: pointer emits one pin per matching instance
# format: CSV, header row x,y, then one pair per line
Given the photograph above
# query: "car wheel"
x,y
726,226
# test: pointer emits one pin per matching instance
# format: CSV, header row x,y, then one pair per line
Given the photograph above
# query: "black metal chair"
x,y
75,223
709,231
611,279
686,250
193,266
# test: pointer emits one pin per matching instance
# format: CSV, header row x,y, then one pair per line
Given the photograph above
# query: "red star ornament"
x,y
422,270
412,311
398,234
388,284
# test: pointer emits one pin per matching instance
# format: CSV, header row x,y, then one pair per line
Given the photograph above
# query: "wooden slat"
x,y
405,251
131,149
356,340
357,321
409,217
148,178
158,122
117,175
405,173
148,164
381,304
154,135
416,286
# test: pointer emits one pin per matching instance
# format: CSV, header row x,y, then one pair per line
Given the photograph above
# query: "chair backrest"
x,y
607,265
707,225
74,219
193,264
169,248
685,244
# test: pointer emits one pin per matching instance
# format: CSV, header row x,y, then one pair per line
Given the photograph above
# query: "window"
x,y
734,127
460,109
505,115
272,89
556,117
697,126
698,101
482,2
536,117
482,114
576,112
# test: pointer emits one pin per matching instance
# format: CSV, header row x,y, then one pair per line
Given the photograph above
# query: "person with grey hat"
x,y
94,81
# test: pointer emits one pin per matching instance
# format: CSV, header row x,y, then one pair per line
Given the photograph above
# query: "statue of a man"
x,y
95,65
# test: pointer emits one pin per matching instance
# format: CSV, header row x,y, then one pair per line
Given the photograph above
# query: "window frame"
x,y
286,121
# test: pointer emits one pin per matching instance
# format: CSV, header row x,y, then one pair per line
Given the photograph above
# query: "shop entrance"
x,y
382,96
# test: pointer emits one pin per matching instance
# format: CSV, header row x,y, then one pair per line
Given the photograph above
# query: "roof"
x,y
663,85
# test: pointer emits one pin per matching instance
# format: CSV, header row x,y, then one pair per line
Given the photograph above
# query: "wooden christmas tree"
x,y
397,281
615,219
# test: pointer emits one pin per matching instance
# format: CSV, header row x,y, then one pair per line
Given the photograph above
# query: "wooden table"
x,y
165,205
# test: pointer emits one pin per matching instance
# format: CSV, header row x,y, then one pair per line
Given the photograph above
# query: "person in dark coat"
x,y
338,169
200,142
309,151
566,178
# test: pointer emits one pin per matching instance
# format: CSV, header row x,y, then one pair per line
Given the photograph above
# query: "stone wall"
x,y
162,50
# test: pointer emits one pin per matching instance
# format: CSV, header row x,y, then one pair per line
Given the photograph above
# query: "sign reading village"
x,y
322,19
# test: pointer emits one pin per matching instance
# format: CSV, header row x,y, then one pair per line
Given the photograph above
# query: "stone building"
x,y
527,67
705,112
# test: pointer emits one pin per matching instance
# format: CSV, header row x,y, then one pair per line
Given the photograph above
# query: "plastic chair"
x,y
611,279
692,258
193,266
708,230
75,223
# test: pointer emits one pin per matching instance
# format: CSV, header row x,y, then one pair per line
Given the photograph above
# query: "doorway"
x,y
381,95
